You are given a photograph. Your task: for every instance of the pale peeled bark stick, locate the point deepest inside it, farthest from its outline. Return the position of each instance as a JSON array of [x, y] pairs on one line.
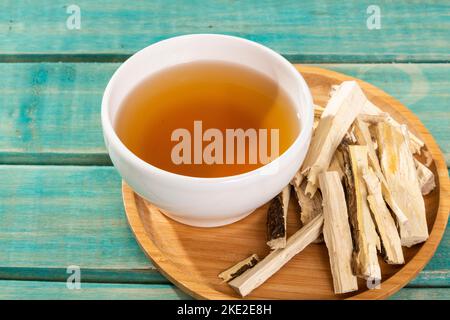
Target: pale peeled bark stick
[[390, 239], [374, 118], [309, 207], [366, 240], [416, 143], [336, 164], [277, 219], [425, 176], [253, 278], [397, 163], [363, 137], [369, 118], [336, 119], [370, 109], [336, 231], [239, 268]]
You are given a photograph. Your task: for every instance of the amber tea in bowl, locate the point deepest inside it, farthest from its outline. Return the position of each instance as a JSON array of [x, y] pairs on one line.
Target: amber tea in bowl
[[206, 95]]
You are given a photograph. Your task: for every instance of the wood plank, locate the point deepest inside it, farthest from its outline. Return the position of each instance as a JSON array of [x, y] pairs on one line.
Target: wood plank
[[306, 31], [427, 278], [432, 278], [422, 294], [437, 271], [35, 290], [99, 291], [51, 111], [56, 216]]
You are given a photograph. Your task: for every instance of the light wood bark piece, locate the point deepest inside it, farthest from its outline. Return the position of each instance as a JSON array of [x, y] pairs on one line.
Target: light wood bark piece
[[309, 207], [370, 109], [373, 118], [336, 119], [239, 268], [253, 278], [425, 176], [363, 137], [399, 169], [391, 246], [336, 164], [276, 219], [366, 240], [336, 231]]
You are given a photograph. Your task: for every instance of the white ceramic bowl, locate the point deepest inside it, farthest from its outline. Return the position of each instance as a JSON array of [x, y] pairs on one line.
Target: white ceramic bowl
[[206, 202]]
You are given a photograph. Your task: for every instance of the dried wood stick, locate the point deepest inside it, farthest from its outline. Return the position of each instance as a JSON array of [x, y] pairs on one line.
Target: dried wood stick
[[336, 119], [366, 240], [399, 169], [374, 118], [416, 143], [390, 240], [253, 278], [309, 207], [364, 138], [276, 219], [336, 231], [239, 268], [371, 109], [425, 176], [336, 164]]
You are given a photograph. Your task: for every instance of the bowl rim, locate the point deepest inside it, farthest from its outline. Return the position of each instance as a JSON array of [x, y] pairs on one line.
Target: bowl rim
[[112, 138]]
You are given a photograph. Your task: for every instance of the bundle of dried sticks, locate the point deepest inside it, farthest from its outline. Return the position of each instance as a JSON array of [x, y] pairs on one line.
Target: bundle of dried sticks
[[360, 186]]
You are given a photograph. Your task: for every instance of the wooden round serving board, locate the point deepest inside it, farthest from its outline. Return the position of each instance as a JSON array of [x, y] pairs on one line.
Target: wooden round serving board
[[193, 257]]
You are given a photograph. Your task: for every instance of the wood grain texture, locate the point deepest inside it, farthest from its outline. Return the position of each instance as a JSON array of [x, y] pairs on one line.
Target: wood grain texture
[[51, 111], [422, 294], [193, 265], [38, 290], [55, 216], [303, 31]]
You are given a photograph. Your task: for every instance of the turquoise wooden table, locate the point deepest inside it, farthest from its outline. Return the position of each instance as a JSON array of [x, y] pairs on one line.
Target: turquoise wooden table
[[60, 197]]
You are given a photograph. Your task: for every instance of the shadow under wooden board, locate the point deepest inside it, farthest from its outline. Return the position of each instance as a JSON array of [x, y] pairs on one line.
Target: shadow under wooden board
[[193, 257]]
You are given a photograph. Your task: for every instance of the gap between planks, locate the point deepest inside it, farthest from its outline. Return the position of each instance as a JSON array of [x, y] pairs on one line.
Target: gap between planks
[[152, 276], [58, 290], [293, 58], [87, 275], [54, 158]]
